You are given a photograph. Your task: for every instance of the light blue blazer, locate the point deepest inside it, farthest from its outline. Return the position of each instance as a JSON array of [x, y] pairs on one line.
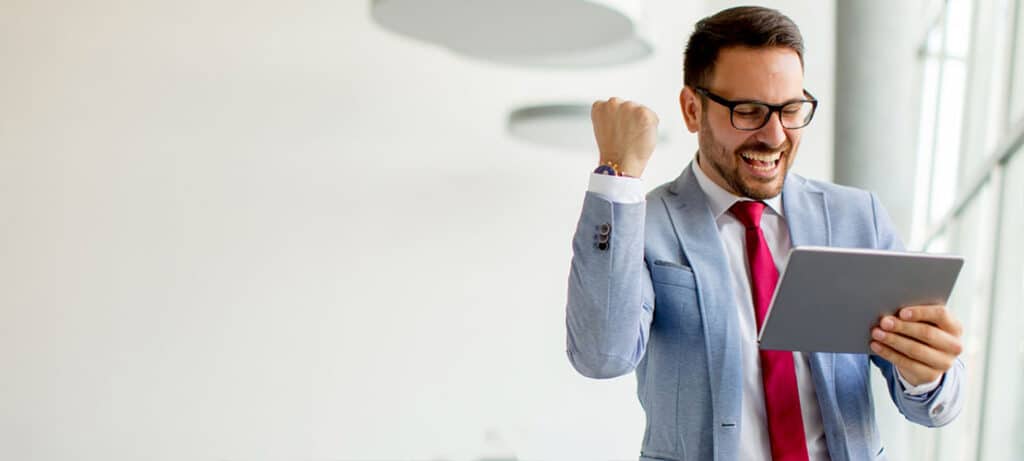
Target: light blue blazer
[[650, 291]]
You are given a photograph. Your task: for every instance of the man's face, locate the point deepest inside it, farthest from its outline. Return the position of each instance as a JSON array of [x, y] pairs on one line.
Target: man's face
[[747, 163]]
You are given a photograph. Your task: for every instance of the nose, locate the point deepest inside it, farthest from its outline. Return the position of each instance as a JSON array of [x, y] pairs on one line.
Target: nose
[[772, 133]]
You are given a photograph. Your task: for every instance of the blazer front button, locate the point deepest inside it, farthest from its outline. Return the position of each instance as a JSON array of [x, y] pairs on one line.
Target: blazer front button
[[938, 409]]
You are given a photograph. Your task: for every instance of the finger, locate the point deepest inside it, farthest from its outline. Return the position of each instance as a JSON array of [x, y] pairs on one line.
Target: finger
[[934, 313], [908, 367], [919, 352], [923, 332]]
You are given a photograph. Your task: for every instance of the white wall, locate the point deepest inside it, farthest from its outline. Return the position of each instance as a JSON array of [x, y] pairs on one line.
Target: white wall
[[270, 230]]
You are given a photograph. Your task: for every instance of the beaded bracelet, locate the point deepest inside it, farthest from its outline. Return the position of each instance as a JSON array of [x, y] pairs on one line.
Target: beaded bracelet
[[611, 169]]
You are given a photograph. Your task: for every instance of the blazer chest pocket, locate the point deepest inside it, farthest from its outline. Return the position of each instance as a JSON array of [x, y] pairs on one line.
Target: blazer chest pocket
[[670, 273]]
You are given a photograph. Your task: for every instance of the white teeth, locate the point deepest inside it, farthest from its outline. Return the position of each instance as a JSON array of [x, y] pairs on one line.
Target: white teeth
[[762, 157]]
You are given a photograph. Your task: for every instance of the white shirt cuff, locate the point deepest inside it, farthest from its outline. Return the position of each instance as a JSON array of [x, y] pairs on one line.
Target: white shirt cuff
[[920, 389], [618, 189]]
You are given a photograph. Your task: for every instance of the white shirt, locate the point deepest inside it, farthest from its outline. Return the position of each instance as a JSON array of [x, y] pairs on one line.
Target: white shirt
[[754, 441]]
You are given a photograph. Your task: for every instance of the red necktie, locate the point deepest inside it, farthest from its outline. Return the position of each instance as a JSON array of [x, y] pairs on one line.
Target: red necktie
[[781, 398]]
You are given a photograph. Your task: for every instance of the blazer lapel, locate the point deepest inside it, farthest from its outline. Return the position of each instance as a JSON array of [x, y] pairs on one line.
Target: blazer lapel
[[807, 218], [695, 228], [806, 214]]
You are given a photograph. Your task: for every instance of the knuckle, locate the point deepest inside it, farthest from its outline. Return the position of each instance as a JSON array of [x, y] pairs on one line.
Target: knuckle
[[927, 335], [903, 346], [647, 115], [917, 351]]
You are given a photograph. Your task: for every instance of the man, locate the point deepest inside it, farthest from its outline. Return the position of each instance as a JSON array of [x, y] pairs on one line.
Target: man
[[675, 286]]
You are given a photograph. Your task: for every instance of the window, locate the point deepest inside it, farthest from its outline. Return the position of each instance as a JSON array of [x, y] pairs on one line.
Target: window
[[970, 303], [1003, 420], [970, 203], [952, 81], [926, 131], [1017, 93], [944, 70], [988, 76]]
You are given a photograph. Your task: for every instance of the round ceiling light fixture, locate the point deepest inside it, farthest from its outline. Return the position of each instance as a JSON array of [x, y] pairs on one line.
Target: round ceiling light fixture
[[564, 126], [536, 33]]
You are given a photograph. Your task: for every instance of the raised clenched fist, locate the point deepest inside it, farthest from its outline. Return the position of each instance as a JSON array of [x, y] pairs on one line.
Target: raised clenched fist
[[626, 133]]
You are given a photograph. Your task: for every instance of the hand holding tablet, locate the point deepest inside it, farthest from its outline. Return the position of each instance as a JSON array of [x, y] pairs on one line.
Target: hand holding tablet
[[922, 341], [831, 299]]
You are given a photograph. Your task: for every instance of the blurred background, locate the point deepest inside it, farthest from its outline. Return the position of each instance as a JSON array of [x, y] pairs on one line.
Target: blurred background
[[340, 230]]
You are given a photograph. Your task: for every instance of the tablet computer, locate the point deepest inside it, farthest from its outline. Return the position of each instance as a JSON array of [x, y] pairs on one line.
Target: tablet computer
[[828, 299]]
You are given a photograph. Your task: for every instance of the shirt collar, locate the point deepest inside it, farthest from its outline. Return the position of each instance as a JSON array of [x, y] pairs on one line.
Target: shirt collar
[[721, 200]]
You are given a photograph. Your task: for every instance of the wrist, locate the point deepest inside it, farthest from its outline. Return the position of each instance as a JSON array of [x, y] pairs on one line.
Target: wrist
[[610, 168], [631, 169]]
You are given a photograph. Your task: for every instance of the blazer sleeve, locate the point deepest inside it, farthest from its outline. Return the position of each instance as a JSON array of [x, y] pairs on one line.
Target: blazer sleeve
[[610, 300], [940, 406]]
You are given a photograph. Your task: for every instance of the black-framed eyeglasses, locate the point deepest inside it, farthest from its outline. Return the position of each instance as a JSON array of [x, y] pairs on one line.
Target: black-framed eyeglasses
[[750, 115]]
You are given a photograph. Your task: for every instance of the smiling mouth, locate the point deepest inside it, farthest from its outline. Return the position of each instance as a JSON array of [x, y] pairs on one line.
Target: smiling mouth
[[765, 163]]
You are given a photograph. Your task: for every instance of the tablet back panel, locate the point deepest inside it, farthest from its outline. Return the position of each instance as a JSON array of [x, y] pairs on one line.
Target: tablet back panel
[[828, 299]]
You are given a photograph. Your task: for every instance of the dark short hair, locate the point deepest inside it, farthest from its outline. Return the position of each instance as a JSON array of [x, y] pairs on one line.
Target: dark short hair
[[749, 26]]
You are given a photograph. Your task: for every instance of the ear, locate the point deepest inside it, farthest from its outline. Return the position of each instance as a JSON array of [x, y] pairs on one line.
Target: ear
[[690, 104]]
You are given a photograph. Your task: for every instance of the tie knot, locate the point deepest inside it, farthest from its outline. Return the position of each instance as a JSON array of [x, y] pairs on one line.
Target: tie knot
[[749, 213]]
